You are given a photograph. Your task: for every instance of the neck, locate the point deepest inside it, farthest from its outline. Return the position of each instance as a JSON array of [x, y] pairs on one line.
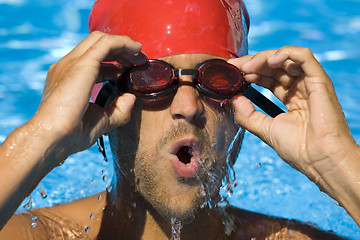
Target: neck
[[129, 216]]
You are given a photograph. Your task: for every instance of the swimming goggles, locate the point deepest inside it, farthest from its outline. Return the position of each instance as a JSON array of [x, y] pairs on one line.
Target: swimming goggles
[[157, 79]]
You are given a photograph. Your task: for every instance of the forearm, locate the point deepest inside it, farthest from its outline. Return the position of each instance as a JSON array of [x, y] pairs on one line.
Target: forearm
[[343, 183], [25, 158]]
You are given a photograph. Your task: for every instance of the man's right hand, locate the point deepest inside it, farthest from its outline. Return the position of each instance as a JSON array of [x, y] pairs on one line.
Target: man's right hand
[[65, 122], [65, 109]]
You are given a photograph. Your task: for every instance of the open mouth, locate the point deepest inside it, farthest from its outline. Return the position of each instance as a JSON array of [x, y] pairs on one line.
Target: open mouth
[[184, 154], [185, 157]]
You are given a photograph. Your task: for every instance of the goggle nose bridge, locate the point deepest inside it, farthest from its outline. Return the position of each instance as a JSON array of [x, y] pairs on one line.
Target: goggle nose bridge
[[195, 73]]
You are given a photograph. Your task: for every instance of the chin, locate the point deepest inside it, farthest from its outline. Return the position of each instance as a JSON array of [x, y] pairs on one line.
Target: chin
[[182, 205], [185, 215]]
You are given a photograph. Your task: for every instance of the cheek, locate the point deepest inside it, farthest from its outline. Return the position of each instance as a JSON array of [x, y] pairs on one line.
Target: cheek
[[222, 126], [152, 127]]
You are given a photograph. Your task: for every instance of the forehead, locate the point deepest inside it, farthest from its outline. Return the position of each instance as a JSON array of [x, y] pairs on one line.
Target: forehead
[[188, 60]]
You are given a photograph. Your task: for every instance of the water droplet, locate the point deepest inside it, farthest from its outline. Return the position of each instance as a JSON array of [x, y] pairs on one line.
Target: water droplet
[[34, 219], [108, 188], [258, 165], [87, 229], [92, 216], [226, 105], [61, 163], [99, 197], [43, 193], [29, 203], [104, 178], [176, 227]]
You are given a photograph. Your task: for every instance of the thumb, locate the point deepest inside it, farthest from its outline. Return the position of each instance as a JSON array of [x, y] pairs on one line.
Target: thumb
[[119, 112], [254, 121]]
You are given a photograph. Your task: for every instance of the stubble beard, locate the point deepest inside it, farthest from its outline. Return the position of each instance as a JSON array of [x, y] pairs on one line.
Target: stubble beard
[[173, 196]]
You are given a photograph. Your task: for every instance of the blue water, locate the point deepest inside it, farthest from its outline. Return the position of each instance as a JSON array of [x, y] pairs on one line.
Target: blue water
[[36, 33]]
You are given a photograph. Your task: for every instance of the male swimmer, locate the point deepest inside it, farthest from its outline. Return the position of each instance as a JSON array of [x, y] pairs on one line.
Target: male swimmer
[[176, 73]]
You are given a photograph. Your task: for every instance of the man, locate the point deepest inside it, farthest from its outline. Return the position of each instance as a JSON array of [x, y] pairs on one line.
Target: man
[[171, 143]]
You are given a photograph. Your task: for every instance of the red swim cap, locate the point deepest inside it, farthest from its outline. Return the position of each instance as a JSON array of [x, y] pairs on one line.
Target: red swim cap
[[171, 27]]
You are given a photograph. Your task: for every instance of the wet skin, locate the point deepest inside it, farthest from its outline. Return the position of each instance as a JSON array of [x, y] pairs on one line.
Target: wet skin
[[174, 188], [141, 202]]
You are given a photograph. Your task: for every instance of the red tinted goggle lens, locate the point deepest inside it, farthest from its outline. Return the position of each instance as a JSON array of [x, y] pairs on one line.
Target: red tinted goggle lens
[[213, 78]]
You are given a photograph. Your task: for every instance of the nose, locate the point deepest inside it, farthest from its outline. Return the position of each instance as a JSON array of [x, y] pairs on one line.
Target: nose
[[186, 103]]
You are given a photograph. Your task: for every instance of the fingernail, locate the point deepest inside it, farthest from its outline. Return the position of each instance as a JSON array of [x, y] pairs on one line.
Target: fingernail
[[235, 99]]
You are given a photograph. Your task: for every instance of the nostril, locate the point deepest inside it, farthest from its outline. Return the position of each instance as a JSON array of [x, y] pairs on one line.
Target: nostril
[[179, 116], [184, 154]]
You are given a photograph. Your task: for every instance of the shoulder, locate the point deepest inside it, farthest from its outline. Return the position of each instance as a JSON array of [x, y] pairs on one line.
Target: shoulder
[[80, 219], [249, 225]]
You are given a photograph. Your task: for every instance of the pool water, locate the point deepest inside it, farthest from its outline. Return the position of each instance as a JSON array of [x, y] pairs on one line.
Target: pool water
[[37, 33]]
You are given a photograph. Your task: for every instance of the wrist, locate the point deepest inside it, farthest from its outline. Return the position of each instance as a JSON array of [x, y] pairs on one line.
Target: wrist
[[40, 142], [342, 181]]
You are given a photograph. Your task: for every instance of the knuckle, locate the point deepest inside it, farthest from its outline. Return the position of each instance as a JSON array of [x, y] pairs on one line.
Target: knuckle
[[96, 33], [104, 38], [265, 53], [306, 51], [52, 67], [125, 38], [285, 48]]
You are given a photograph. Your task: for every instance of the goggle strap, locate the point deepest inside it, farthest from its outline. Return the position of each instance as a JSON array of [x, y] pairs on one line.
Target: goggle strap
[[263, 102], [107, 93]]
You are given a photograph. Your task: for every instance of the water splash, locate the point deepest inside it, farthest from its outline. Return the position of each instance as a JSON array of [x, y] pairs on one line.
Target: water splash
[[176, 227], [108, 188], [87, 229], [33, 221], [101, 147]]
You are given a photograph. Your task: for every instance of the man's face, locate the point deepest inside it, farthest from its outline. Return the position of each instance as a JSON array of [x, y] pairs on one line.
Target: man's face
[[176, 154]]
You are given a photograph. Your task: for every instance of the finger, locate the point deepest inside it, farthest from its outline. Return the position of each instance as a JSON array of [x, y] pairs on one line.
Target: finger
[[128, 59], [238, 62], [254, 121], [100, 120], [85, 44], [283, 61], [88, 65], [257, 70], [113, 48], [301, 56], [258, 64], [130, 51], [120, 111], [110, 71]]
